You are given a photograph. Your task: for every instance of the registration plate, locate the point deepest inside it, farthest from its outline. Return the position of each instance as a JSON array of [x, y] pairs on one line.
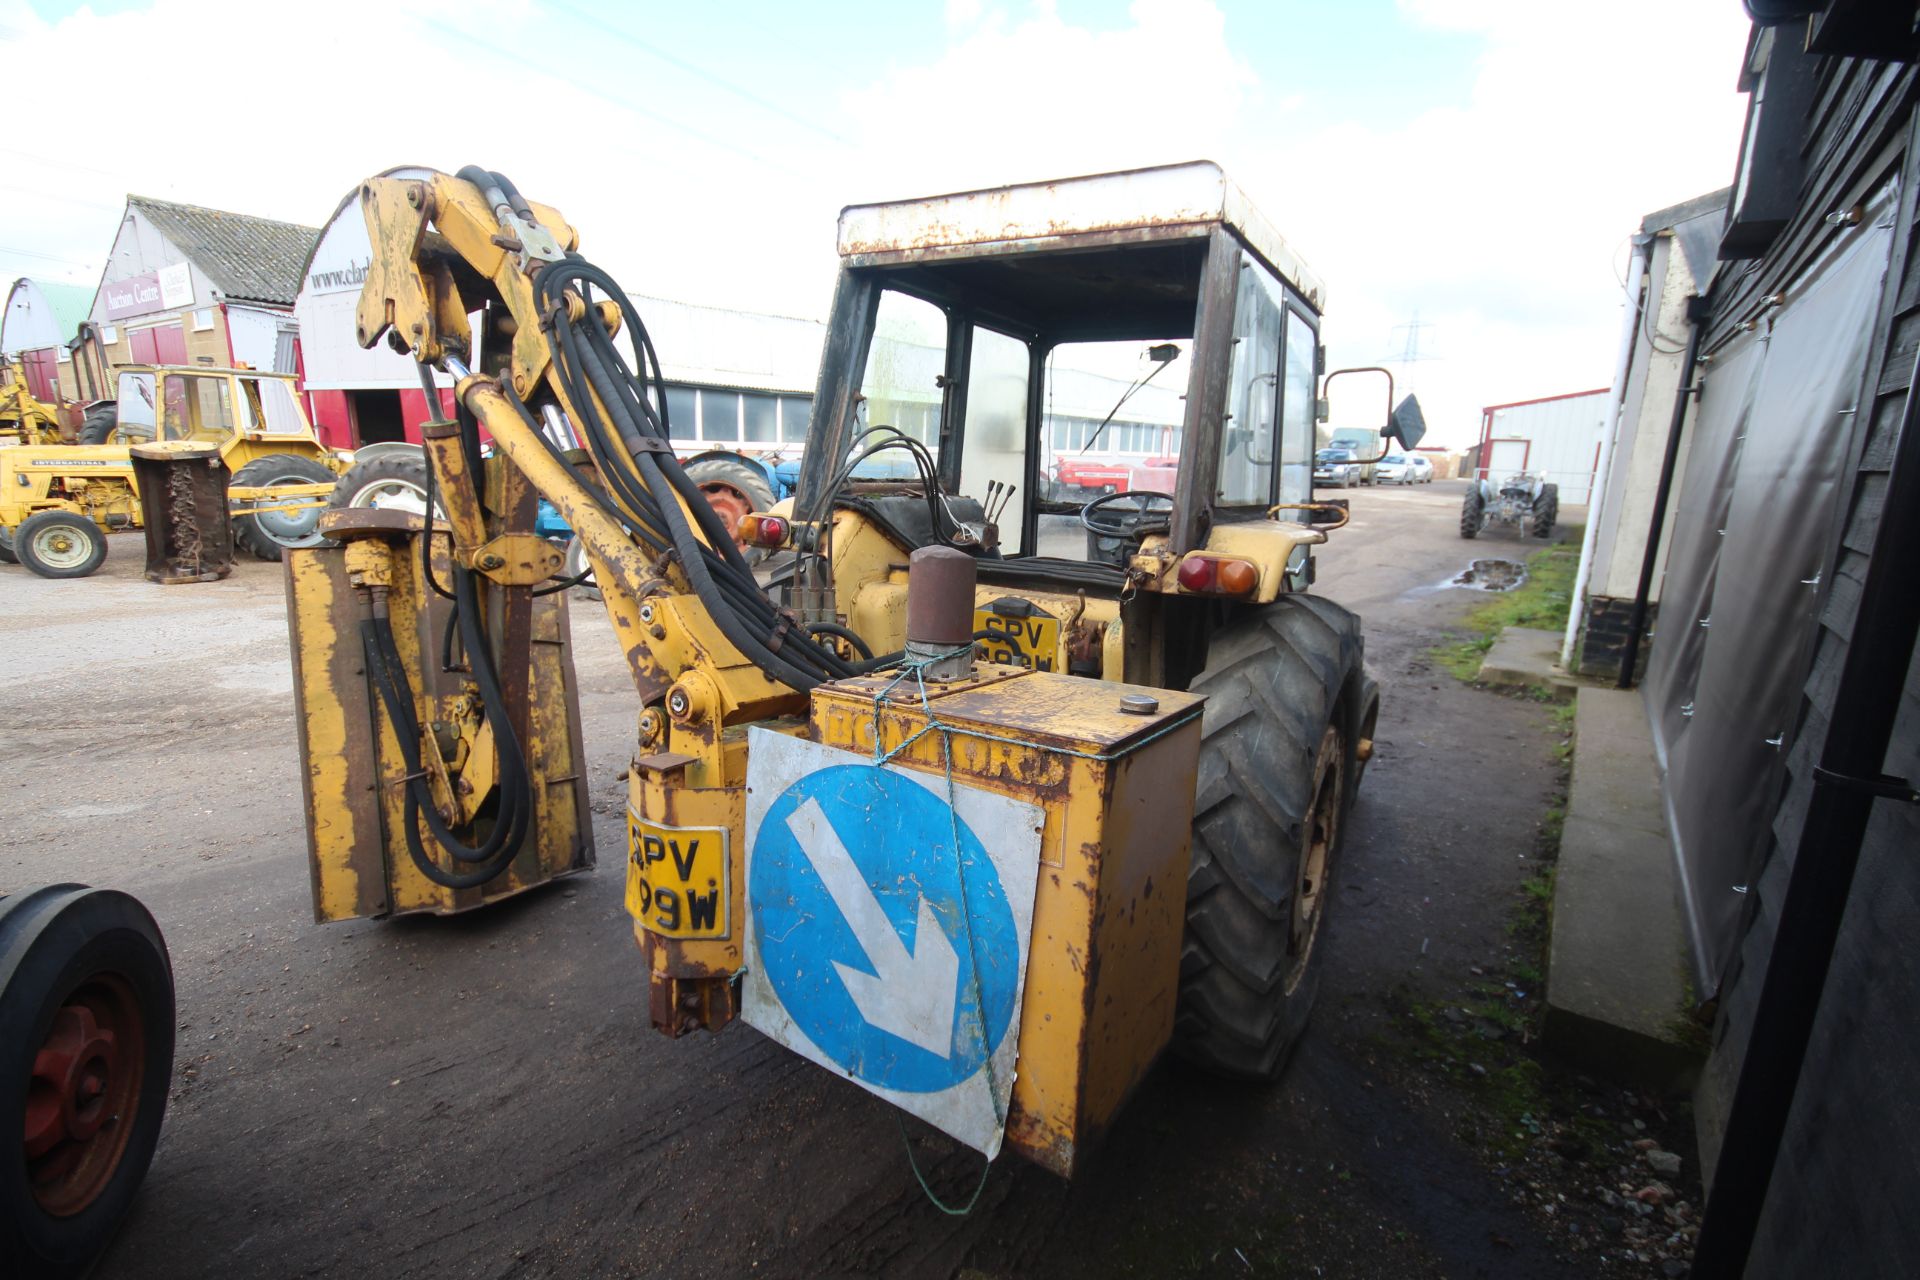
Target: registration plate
[[677, 879], [1032, 640]]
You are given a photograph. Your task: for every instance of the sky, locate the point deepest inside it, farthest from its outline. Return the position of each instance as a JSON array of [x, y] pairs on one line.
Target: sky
[[1469, 167]]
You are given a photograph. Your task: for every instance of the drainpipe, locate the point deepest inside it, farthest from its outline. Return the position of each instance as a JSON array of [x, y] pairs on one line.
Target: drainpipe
[[1622, 364], [1846, 785], [1637, 620]]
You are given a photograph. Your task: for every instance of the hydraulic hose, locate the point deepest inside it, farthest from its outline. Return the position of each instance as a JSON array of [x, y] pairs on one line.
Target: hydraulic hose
[[621, 419], [513, 814]]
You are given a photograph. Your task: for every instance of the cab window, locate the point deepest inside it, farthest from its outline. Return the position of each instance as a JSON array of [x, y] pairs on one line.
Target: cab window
[[1298, 383], [902, 384], [1248, 442], [268, 404], [1111, 423], [135, 407], [198, 407], [993, 446]]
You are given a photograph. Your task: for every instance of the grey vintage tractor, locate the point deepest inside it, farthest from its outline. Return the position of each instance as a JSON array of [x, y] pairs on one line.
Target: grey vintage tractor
[[1525, 501]]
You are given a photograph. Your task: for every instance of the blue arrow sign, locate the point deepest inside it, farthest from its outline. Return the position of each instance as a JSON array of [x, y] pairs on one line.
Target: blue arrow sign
[[863, 930]]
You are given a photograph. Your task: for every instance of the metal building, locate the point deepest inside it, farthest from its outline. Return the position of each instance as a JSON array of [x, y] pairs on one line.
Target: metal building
[[191, 285], [40, 319], [1558, 436], [736, 379]]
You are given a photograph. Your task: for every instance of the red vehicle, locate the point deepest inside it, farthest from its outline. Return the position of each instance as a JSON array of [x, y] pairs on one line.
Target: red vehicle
[[1074, 481]]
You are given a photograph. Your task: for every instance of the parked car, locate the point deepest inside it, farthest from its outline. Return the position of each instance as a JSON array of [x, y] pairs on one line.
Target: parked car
[[1366, 445], [1403, 468], [1337, 467]]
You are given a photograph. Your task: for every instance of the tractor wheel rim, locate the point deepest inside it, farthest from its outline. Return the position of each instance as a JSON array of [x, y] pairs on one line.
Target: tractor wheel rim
[[82, 1095], [731, 504], [290, 528], [60, 548], [393, 495], [1320, 832]]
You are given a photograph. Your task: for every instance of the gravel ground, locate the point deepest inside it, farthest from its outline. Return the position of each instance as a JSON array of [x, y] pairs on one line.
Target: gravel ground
[[482, 1097]]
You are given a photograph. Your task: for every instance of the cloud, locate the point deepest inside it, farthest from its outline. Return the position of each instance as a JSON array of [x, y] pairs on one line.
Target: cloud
[[1499, 221], [1033, 96], [1497, 217]]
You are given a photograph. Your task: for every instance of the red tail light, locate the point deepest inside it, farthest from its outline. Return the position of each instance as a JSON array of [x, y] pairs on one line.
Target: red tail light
[[1218, 575], [764, 531]]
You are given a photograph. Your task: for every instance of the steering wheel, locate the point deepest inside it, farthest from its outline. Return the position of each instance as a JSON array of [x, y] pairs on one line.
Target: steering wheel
[[1147, 511]]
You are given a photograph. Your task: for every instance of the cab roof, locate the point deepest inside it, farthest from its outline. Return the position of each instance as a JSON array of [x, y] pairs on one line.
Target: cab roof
[[1168, 202], [204, 368]]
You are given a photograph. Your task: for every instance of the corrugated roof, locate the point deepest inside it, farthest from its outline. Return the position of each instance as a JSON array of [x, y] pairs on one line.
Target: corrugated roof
[[248, 259], [42, 314], [70, 303]]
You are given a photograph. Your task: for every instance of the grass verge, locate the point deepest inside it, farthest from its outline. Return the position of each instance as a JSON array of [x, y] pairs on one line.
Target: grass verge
[[1542, 602]]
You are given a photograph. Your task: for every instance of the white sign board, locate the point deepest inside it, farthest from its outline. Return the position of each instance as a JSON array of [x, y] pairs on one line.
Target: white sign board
[[176, 286], [887, 932]]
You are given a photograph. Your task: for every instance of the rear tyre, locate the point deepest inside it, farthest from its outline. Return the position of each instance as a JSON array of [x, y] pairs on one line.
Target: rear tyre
[[1472, 512], [97, 427], [59, 544], [271, 532], [1273, 787], [1545, 512], [86, 1052], [387, 481]]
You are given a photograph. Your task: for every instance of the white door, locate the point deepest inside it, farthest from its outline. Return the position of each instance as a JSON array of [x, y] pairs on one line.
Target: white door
[[1505, 457]]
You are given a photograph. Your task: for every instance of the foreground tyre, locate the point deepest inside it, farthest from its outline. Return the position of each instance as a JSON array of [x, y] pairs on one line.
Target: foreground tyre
[[271, 532], [1274, 783], [1472, 513], [86, 1052], [59, 544]]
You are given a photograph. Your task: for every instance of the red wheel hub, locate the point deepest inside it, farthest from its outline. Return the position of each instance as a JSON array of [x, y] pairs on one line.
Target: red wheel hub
[[82, 1095], [729, 502]]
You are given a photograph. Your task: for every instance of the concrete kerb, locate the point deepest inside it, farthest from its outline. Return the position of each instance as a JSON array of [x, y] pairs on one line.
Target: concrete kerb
[[1523, 657], [1616, 978]]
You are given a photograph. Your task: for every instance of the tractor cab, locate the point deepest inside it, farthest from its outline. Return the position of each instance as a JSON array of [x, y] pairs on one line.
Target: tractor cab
[[1109, 386], [1108, 382], [209, 406]]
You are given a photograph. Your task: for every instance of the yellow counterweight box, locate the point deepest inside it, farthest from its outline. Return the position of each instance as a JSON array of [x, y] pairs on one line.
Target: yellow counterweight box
[[1111, 769]]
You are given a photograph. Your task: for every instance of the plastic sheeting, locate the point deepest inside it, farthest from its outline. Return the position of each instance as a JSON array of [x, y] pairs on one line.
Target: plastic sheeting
[[1737, 608]]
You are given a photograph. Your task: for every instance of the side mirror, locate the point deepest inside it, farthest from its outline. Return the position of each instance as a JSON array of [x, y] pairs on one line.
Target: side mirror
[[1407, 425], [1322, 407]]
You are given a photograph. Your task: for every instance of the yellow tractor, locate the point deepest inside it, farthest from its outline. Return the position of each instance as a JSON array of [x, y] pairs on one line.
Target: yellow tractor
[[59, 501], [980, 797], [24, 418], [974, 794]]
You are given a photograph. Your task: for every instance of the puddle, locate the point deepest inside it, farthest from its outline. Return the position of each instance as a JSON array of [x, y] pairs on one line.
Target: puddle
[[1491, 575]]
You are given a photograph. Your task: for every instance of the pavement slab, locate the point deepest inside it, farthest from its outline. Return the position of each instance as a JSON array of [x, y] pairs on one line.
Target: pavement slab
[[1616, 979]]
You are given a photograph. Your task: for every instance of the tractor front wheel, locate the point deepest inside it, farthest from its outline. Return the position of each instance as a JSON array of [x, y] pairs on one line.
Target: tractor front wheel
[[59, 544], [86, 1049], [1287, 696], [7, 554]]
